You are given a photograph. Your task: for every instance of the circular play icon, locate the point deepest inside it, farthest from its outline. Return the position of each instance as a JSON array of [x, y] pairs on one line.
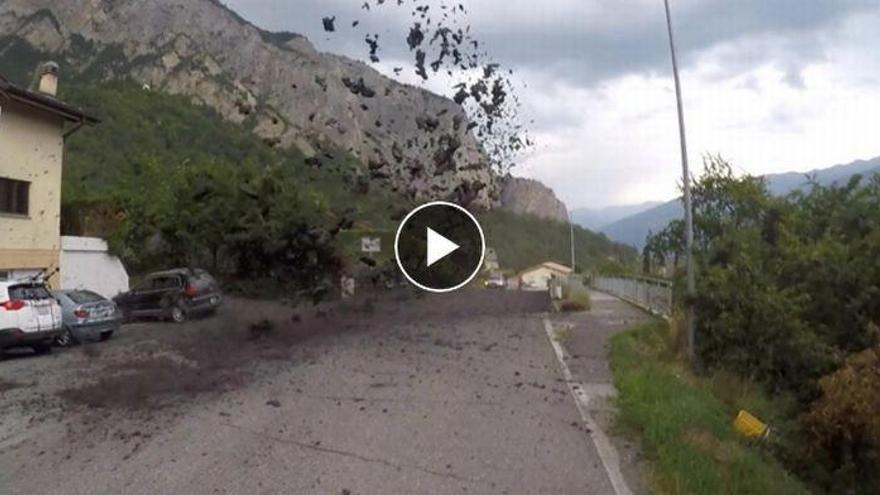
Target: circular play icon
[[440, 247]]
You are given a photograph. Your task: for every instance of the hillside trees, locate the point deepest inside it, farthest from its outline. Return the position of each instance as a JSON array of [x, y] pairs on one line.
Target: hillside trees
[[243, 221], [787, 288]]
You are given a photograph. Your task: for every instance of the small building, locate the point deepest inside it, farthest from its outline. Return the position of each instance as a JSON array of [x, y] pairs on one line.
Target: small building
[[33, 127], [538, 276]]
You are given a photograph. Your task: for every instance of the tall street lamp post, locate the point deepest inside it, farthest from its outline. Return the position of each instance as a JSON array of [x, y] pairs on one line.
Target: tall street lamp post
[[571, 227], [688, 206]]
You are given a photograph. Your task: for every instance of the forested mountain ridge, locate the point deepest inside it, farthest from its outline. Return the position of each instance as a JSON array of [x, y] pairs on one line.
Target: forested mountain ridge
[[634, 229]]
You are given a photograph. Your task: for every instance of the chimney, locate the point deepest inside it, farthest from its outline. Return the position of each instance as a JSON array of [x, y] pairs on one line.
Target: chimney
[[47, 78]]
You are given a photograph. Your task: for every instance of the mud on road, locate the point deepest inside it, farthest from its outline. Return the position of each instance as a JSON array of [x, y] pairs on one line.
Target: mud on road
[[391, 393]]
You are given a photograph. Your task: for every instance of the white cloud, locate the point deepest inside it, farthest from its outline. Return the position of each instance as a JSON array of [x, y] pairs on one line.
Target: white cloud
[[617, 143]]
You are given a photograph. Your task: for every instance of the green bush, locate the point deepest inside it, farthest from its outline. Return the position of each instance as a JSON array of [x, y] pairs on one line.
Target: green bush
[[575, 296], [787, 289], [845, 422]]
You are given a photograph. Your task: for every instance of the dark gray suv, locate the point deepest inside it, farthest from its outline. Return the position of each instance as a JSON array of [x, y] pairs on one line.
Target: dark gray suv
[[173, 294]]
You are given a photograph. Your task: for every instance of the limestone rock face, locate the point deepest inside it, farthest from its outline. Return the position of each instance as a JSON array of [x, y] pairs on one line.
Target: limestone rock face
[[275, 84], [527, 196]]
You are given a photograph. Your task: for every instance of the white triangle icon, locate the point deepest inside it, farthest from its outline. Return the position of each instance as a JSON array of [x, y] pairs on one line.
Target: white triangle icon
[[439, 247]]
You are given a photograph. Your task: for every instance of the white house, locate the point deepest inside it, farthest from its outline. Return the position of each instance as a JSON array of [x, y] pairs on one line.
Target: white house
[[538, 276]]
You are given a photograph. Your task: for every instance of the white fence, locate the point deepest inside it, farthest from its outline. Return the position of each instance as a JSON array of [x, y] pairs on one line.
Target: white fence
[[652, 294]]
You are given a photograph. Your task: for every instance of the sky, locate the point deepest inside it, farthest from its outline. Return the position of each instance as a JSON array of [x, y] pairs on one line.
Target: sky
[[770, 85]]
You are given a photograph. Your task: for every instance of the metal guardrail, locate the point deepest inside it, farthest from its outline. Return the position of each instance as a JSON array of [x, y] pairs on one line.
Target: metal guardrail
[[649, 293]]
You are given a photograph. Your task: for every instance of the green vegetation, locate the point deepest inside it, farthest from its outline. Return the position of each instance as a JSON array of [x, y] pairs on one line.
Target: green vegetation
[[845, 421], [170, 183], [522, 241], [575, 296], [685, 422], [788, 292]]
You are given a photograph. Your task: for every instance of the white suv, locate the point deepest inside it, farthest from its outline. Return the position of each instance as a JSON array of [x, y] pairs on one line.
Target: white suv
[[29, 316]]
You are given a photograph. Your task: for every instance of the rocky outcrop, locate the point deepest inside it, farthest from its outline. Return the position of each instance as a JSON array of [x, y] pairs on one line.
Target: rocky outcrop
[[528, 196], [276, 84]]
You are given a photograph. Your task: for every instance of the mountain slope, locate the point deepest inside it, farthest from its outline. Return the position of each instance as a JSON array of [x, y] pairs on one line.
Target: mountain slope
[[528, 196], [273, 84], [596, 218], [170, 133], [634, 229], [522, 241]]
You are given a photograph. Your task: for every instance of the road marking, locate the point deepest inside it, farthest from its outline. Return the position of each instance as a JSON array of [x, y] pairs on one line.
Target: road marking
[[607, 453]]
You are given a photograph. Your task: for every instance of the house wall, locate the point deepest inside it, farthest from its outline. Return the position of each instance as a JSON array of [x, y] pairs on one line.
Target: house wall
[[31, 149], [537, 277]]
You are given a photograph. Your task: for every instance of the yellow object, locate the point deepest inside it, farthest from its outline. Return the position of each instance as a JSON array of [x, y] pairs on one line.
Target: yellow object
[[750, 426]]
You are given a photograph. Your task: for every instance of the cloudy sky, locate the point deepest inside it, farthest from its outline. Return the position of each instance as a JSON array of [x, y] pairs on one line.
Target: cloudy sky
[[771, 85]]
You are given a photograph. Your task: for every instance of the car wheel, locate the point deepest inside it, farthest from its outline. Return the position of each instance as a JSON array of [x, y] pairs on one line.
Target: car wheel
[[105, 336], [177, 314], [42, 348], [66, 339]]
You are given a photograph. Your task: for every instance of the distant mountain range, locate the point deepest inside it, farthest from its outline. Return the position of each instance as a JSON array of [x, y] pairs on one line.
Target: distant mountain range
[[596, 218], [633, 229]]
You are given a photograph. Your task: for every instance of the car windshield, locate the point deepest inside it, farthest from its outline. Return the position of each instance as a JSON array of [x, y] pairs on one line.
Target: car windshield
[[84, 297]]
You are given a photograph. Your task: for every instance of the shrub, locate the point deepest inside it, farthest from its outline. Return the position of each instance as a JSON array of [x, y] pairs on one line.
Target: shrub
[[845, 422], [575, 296]]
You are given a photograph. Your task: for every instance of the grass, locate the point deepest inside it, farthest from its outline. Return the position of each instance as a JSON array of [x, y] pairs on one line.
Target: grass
[[685, 421]]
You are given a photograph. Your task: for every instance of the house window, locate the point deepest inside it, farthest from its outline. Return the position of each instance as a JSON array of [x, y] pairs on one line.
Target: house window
[[14, 196]]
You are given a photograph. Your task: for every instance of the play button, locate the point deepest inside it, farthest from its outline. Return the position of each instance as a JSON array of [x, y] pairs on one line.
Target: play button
[[439, 247]]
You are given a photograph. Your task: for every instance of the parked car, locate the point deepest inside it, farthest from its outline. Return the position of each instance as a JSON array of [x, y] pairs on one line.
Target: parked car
[[29, 316], [86, 316], [174, 294], [495, 281]]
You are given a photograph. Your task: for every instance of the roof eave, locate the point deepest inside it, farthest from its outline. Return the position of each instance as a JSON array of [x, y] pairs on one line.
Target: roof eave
[[49, 104]]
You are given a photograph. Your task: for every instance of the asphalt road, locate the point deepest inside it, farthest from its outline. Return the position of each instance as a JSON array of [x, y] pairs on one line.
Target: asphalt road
[[401, 393]]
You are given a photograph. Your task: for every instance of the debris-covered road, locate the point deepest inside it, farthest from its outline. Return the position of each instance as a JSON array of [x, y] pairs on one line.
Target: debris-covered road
[[398, 393]]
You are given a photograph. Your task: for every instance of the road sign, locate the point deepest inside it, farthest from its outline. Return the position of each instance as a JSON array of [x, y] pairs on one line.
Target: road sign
[[371, 245]]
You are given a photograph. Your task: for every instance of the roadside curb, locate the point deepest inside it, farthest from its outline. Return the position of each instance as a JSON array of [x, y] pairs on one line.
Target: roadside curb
[[582, 397]]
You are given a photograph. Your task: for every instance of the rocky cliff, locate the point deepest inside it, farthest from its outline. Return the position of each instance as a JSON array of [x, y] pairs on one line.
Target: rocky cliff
[[529, 196], [275, 84]]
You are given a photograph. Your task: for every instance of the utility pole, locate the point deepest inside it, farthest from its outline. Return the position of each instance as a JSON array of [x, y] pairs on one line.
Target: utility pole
[[571, 227], [688, 206]]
